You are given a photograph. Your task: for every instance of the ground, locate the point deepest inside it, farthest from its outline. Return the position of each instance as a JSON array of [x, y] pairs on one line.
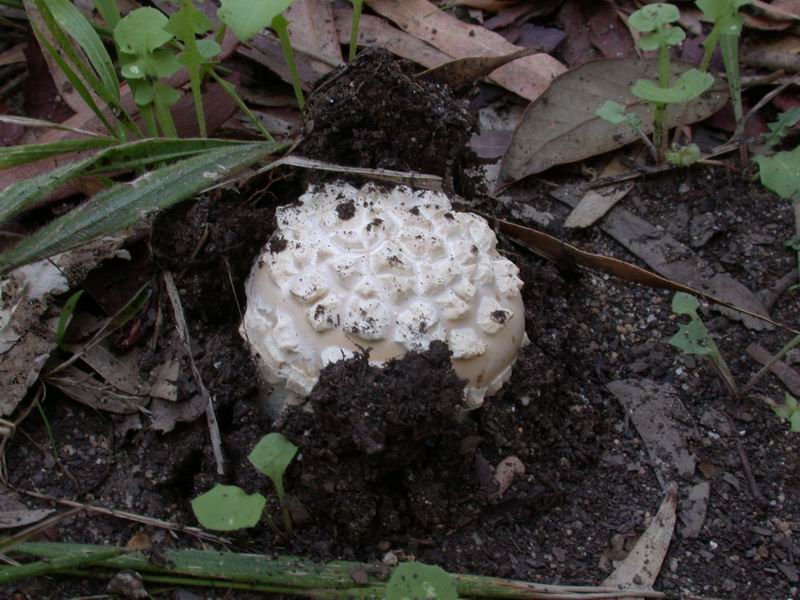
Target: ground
[[588, 490]]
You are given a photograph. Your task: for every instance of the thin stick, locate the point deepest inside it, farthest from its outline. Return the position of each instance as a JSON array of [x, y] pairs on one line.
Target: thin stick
[[793, 343], [183, 333]]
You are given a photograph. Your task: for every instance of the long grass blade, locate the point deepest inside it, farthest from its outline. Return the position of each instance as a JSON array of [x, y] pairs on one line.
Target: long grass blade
[[76, 25], [28, 193], [109, 10], [126, 203], [28, 122], [11, 156]]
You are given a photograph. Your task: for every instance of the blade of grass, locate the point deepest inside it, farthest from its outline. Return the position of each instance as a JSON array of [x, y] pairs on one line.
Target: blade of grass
[[28, 122], [54, 565], [281, 26], [126, 203], [76, 25], [28, 193], [231, 91], [73, 78], [109, 10], [357, 6], [12, 156]]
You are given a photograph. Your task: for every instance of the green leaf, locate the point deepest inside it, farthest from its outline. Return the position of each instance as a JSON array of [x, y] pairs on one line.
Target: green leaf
[[654, 16], [793, 244], [684, 156], [417, 581], [142, 31], [65, 317], [228, 508], [780, 129], [685, 304], [126, 203], [272, 455], [75, 24], [109, 10], [714, 10], [27, 193], [689, 86], [611, 111], [693, 338], [781, 173], [788, 411], [247, 17], [11, 156], [354, 27], [668, 36]]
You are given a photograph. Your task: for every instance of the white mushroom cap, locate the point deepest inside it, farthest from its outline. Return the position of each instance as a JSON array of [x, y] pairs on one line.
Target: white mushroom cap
[[350, 269]]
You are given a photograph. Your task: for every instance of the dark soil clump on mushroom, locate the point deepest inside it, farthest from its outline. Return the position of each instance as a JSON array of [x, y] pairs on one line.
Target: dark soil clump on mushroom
[[374, 113]]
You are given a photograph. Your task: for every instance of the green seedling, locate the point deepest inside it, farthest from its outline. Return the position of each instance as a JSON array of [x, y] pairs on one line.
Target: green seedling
[[656, 24], [684, 156], [65, 317], [196, 55], [416, 580], [727, 30], [783, 126], [789, 411], [228, 508], [141, 36], [247, 17], [615, 113], [354, 27]]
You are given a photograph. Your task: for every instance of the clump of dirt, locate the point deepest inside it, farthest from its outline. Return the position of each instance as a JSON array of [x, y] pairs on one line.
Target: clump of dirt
[[383, 448], [374, 113]]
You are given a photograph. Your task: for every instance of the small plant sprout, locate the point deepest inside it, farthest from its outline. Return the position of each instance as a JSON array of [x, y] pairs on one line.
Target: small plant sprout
[[727, 30], [354, 27], [684, 156], [416, 580], [248, 17], [228, 507], [694, 338], [655, 22], [783, 126], [789, 411], [140, 37], [614, 113]]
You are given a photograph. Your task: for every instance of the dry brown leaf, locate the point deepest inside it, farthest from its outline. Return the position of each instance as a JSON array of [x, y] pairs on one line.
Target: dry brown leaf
[[312, 32], [694, 509], [463, 71], [374, 31], [490, 5], [562, 127], [788, 376], [12, 56], [529, 77], [641, 567], [559, 251]]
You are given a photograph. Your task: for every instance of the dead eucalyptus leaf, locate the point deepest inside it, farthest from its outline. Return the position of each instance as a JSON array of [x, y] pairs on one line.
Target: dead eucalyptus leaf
[[561, 126], [463, 71]]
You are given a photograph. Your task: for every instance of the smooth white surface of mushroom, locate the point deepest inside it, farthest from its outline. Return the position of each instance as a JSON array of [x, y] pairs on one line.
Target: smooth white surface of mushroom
[[388, 270]]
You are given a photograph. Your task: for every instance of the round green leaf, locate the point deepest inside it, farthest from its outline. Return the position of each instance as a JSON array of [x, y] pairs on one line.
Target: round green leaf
[[669, 36], [247, 17], [611, 111], [142, 31], [689, 86], [653, 16], [416, 581], [684, 304], [208, 48], [272, 455], [781, 173], [714, 10], [228, 508]]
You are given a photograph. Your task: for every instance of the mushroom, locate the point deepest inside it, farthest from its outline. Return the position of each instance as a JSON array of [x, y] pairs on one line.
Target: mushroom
[[390, 270]]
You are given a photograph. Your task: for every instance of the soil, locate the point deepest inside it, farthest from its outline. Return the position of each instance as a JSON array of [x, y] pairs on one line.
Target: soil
[[386, 465]]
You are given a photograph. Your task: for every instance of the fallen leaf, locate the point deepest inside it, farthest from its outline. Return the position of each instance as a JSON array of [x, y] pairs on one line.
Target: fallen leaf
[[596, 203], [680, 264], [312, 31], [606, 32], [663, 423], [374, 31], [788, 376], [506, 472], [694, 508], [491, 5], [641, 567], [529, 77], [463, 71], [562, 127], [95, 393]]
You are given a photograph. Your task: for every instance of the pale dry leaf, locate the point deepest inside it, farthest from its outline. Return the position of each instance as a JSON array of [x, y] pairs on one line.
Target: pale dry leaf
[[312, 31], [641, 567], [562, 126], [528, 77], [694, 509], [374, 31], [490, 5]]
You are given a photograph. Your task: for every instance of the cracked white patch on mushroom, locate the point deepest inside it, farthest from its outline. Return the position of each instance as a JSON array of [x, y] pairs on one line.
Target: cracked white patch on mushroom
[[392, 271]]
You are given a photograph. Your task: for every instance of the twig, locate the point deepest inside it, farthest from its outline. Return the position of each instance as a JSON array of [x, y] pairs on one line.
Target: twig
[[793, 343], [128, 516], [183, 333]]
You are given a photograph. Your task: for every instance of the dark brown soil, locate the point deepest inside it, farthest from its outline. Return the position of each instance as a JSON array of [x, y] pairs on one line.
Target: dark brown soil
[[384, 463], [374, 113]]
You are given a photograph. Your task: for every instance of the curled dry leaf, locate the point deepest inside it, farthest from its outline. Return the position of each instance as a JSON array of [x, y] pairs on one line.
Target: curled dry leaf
[[463, 71], [562, 127]]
